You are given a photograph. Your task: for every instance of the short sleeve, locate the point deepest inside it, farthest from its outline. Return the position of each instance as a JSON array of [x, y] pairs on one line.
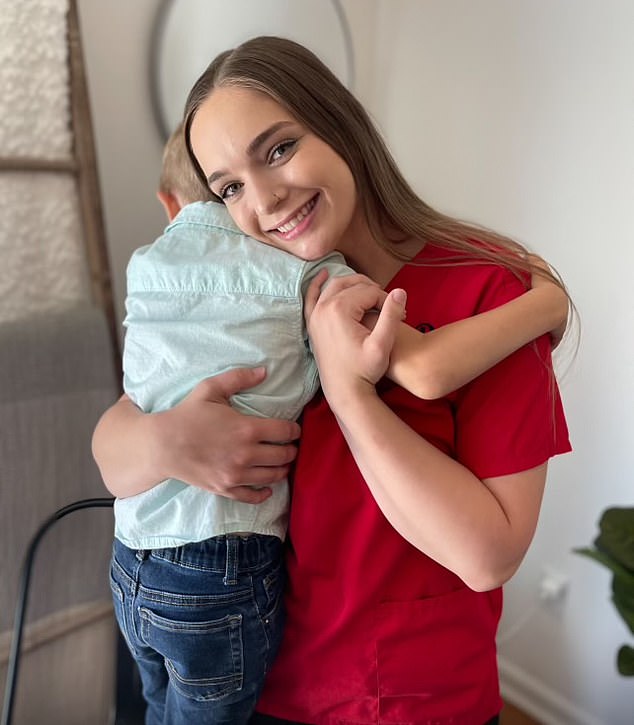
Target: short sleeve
[[334, 263], [511, 418]]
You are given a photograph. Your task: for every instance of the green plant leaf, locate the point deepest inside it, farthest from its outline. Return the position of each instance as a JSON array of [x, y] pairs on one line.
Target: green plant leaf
[[604, 559], [614, 549], [617, 535], [623, 589], [623, 599], [625, 661]]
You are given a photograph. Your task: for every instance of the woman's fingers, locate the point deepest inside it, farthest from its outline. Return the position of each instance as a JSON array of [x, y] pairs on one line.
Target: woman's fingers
[[354, 293], [391, 315], [336, 285], [248, 494], [318, 290], [220, 388], [313, 292]]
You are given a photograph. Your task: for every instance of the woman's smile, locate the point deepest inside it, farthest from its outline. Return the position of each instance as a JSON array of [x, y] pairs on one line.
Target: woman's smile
[[298, 222]]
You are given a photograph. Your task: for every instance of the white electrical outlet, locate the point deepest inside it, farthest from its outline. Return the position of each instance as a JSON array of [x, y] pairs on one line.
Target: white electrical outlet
[[553, 586]]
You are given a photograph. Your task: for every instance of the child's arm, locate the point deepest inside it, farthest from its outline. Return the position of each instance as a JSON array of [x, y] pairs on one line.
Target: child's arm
[[438, 362]]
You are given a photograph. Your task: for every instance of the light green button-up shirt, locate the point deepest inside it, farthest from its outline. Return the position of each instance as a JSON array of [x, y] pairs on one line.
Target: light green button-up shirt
[[204, 298]]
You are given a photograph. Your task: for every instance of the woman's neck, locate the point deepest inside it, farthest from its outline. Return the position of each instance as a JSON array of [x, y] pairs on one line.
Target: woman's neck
[[369, 257], [366, 256]]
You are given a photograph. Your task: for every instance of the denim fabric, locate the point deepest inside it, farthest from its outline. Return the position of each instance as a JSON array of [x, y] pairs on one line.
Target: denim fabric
[[204, 298], [203, 622]]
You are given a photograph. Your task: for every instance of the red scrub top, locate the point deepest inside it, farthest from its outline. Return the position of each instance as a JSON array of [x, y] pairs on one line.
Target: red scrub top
[[376, 631]]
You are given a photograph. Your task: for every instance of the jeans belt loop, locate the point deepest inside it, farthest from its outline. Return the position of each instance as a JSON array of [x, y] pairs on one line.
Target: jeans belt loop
[[232, 561]]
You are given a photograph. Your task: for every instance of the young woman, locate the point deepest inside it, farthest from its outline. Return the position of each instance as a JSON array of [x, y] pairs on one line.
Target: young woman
[[407, 515]]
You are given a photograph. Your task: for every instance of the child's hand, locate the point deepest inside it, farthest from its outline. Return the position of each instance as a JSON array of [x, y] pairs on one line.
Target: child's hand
[[560, 300]]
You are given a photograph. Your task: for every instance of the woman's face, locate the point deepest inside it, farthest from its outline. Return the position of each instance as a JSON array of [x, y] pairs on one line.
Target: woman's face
[[281, 183]]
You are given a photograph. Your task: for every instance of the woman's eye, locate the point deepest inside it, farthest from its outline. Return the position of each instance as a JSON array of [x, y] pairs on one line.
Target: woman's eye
[[281, 150], [229, 190]]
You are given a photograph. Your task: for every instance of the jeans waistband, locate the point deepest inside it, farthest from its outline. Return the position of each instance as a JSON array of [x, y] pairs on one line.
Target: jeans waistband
[[227, 555]]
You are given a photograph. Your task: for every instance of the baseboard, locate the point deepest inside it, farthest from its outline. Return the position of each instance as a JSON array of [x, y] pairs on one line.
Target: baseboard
[[55, 625], [538, 700], [67, 669]]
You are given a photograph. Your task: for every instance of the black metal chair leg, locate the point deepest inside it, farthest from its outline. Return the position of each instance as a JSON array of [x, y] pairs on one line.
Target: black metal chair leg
[[23, 597]]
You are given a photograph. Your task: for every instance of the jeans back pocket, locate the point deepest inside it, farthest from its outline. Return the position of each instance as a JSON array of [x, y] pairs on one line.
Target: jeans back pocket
[[204, 659]]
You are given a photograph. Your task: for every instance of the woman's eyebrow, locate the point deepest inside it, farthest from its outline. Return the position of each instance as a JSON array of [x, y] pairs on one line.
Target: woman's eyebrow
[[265, 135], [215, 176]]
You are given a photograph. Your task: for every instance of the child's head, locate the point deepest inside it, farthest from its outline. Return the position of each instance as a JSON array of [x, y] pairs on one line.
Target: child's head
[[178, 184]]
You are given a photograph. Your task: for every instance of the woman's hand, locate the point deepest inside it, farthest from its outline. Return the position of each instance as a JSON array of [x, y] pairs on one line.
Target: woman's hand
[[350, 356], [202, 441]]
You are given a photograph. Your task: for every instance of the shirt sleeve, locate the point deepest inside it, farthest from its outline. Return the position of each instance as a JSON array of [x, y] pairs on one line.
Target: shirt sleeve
[[511, 418], [334, 263]]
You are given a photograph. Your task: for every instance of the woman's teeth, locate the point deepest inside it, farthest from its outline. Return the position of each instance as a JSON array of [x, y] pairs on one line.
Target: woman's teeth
[[303, 212]]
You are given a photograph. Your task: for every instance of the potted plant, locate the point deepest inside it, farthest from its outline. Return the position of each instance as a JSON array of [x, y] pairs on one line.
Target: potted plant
[[614, 548]]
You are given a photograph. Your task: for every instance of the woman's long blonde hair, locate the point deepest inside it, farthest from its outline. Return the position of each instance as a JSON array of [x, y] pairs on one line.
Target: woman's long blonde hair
[[295, 78]]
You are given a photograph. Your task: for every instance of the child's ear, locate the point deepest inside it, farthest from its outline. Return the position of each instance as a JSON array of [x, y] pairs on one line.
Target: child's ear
[[170, 203]]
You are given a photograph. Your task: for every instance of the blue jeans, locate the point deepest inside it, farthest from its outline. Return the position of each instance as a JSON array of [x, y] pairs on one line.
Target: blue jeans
[[203, 622]]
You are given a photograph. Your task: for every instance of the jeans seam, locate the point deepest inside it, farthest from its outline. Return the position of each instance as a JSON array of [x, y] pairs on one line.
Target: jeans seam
[[127, 614], [229, 689], [193, 600]]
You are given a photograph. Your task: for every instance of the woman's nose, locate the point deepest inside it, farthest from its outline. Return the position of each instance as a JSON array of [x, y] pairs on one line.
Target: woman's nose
[[267, 199]]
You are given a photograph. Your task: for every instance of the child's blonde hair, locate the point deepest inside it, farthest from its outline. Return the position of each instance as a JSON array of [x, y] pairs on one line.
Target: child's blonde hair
[[178, 176]]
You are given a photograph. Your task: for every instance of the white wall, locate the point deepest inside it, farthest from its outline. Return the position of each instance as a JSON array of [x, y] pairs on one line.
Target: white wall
[[518, 115], [116, 39]]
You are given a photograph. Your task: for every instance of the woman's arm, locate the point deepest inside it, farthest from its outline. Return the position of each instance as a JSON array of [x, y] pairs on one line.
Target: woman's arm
[[435, 364], [479, 529], [202, 441]]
